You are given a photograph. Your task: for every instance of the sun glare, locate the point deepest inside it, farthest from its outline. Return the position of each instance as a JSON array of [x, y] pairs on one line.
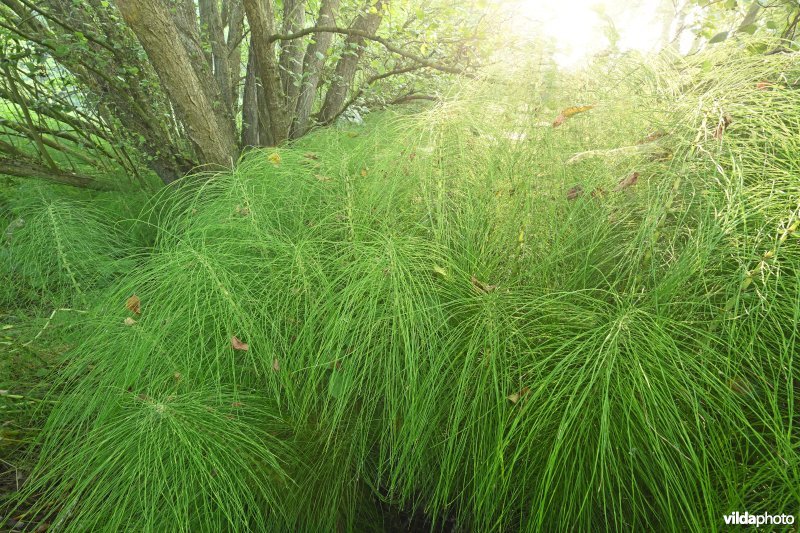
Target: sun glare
[[581, 28]]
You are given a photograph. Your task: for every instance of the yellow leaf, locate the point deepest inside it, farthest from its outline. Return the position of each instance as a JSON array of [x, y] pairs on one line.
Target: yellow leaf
[[275, 158], [574, 110]]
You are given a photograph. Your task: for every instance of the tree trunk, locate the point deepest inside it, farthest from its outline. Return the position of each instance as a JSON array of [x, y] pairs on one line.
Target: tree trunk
[[235, 21], [260, 16], [250, 104], [347, 66], [312, 68], [206, 124], [291, 60], [215, 35]]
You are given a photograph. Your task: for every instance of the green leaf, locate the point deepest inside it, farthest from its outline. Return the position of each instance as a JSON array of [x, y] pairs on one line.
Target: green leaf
[[750, 28], [718, 38]]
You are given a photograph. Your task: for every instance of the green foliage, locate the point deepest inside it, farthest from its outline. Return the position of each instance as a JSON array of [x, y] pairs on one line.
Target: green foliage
[[430, 321]]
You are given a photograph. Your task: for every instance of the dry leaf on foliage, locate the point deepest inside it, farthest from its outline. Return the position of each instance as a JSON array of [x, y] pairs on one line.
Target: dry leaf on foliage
[[724, 122], [570, 112], [575, 192], [628, 181], [656, 135], [517, 396], [276, 365], [274, 158], [239, 345], [129, 321], [134, 304], [481, 286]]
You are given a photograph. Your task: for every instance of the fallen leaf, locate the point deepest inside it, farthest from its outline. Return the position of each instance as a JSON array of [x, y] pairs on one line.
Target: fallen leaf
[[656, 135], [724, 122], [275, 365], [239, 345], [274, 158], [517, 396], [412, 156], [242, 211], [363, 172], [236, 404], [627, 181], [763, 85], [323, 178], [311, 155], [134, 304], [177, 376], [575, 192], [129, 321], [480, 286], [598, 192], [574, 110], [570, 112]]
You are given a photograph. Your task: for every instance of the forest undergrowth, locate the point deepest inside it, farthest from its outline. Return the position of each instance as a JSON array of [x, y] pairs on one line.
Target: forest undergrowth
[[537, 306]]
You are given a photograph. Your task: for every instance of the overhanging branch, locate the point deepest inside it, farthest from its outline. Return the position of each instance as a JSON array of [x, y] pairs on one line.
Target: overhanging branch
[[380, 40]]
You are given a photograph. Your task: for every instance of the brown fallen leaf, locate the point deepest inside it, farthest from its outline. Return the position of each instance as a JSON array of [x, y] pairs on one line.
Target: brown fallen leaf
[[598, 192], [236, 404], [276, 365], [575, 192], [559, 120], [134, 304], [239, 345], [656, 135], [764, 85], [517, 396], [724, 122], [628, 181], [480, 286], [129, 321]]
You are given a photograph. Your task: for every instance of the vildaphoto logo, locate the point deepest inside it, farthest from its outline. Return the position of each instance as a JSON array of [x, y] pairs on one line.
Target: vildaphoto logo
[[747, 519]]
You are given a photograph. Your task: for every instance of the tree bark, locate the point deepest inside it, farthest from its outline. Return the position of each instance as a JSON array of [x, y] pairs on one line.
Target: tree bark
[[215, 34], [24, 168], [206, 123], [235, 21], [347, 66], [313, 62], [260, 16], [250, 104], [291, 59]]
